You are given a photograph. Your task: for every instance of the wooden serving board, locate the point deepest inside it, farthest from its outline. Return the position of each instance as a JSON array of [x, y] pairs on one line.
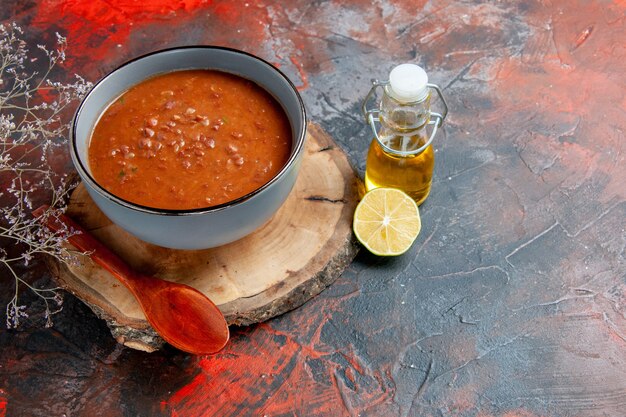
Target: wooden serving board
[[292, 258]]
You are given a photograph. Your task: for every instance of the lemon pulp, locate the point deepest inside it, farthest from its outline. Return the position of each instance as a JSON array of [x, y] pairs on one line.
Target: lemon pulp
[[387, 221]]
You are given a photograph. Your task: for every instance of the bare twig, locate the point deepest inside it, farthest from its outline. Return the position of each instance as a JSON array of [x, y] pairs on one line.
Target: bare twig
[[32, 126]]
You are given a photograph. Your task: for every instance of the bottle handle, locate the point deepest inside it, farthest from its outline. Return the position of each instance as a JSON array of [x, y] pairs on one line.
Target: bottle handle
[[443, 116], [367, 112], [435, 122], [373, 115]]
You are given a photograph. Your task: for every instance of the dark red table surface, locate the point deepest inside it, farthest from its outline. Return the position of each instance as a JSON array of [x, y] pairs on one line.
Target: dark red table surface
[[512, 300]]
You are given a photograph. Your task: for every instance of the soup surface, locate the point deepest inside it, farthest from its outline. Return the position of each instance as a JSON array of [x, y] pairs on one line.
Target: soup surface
[[189, 139]]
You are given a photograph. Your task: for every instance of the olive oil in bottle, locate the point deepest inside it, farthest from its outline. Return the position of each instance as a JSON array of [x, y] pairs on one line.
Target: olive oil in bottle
[[401, 154], [411, 173]]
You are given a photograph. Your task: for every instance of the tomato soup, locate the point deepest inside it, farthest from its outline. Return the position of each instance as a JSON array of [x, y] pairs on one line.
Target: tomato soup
[[189, 139]]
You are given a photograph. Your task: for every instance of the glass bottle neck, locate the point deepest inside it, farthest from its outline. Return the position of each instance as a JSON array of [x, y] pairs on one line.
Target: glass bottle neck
[[404, 118]]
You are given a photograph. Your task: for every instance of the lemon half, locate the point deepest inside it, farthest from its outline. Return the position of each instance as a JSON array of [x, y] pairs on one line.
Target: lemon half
[[387, 221]]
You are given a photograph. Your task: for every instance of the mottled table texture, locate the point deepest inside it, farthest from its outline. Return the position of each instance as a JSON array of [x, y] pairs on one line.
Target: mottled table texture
[[512, 300]]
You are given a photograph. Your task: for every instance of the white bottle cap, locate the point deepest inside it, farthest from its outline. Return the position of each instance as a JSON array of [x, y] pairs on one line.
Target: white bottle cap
[[408, 83]]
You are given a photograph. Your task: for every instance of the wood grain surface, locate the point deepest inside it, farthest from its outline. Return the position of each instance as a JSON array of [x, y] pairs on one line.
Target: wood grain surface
[[290, 259]]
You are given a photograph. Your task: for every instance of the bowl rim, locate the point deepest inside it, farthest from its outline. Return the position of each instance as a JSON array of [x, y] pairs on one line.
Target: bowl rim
[[84, 173]]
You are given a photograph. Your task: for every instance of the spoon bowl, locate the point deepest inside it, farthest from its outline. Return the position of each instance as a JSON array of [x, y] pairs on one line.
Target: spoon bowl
[[180, 314]]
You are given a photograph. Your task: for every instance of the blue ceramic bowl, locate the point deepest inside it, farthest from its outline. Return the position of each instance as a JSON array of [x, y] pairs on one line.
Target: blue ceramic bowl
[[204, 227]]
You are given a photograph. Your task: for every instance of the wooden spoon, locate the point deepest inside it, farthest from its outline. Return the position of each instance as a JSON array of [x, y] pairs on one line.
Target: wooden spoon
[[180, 314]]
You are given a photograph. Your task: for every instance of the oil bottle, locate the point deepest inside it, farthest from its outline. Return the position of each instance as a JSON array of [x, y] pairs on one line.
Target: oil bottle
[[401, 154]]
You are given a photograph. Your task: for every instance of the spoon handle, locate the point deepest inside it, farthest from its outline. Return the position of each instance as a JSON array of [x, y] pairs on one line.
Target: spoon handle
[[84, 241]]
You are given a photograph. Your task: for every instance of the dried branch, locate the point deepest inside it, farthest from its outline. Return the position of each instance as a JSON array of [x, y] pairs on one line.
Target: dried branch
[[33, 127]]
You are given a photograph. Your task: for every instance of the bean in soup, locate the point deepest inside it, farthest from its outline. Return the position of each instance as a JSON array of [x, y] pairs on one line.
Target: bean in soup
[[189, 139]]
